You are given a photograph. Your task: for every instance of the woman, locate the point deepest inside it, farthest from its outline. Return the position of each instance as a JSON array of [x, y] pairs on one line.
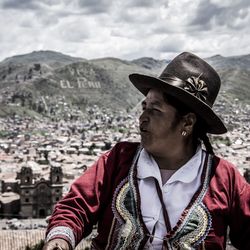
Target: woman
[[167, 192]]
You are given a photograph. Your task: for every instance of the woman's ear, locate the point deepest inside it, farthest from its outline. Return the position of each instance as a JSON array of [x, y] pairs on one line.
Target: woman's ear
[[189, 121]]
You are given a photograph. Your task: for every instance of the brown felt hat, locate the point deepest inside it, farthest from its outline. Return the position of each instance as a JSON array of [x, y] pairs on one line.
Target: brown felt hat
[[193, 82]]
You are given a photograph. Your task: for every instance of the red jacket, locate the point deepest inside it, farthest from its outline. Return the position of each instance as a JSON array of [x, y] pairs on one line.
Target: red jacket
[[107, 194]]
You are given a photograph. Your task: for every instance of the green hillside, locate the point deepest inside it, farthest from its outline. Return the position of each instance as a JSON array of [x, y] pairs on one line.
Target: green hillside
[[44, 81]]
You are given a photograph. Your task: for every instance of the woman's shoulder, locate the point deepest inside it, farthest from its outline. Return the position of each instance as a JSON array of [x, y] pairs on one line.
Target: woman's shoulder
[[224, 165], [125, 147], [121, 152], [226, 172]]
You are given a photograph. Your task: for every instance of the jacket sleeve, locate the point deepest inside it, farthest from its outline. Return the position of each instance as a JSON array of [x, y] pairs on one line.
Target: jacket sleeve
[[239, 217], [75, 215]]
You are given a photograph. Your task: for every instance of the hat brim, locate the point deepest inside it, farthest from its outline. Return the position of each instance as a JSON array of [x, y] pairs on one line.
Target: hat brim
[[144, 83]]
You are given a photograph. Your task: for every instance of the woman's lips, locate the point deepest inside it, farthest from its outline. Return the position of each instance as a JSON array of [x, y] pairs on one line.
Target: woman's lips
[[143, 130]]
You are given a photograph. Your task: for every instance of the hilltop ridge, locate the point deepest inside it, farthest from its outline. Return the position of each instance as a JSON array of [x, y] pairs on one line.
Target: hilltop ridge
[[44, 78]]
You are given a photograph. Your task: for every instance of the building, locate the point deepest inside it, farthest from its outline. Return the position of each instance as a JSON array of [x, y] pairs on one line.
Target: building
[[9, 204], [37, 196]]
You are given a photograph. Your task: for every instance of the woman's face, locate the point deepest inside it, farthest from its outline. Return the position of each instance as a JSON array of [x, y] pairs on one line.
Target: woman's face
[[160, 132]]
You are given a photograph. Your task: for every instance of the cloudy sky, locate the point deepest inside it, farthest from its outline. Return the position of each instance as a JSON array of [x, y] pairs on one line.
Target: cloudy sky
[[125, 29]]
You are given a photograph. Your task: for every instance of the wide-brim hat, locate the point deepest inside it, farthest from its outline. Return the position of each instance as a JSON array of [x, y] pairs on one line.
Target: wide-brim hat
[[193, 82]]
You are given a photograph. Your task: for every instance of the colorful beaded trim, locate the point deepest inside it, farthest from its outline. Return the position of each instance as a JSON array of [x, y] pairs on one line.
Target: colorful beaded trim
[[62, 231], [128, 231], [197, 221]]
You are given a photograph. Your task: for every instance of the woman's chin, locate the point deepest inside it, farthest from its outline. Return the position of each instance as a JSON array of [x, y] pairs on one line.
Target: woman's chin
[[145, 145], [144, 142]]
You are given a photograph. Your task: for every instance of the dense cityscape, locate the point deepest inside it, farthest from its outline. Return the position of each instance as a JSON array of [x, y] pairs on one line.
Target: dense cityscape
[[40, 157]]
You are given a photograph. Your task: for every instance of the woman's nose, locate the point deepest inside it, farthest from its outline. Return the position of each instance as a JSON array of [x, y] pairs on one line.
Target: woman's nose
[[143, 117]]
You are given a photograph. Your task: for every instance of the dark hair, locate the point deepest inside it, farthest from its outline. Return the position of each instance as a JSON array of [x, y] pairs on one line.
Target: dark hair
[[199, 130]]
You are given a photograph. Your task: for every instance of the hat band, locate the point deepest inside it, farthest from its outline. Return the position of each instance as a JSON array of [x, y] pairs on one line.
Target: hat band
[[193, 85]]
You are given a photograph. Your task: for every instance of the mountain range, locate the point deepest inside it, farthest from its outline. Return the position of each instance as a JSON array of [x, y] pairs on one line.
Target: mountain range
[[45, 78]]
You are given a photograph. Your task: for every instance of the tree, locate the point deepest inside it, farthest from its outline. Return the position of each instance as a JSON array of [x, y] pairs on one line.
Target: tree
[[38, 246]]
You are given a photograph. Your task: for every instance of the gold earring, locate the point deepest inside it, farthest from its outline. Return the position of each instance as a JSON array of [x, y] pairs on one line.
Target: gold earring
[[183, 133]]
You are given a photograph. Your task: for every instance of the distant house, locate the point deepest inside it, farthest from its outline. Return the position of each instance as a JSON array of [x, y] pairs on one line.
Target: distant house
[[36, 196], [9, 204]]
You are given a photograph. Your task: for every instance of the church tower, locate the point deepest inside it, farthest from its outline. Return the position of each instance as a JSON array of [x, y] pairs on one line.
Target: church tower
[[56, 184], [26, 191]]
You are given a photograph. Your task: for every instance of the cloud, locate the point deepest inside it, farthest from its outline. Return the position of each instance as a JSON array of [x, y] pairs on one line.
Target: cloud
[[95, 6], [20, 4], [205, 13], [227, 13], [172, 43], [76, 29], [31, 4], [136, 17], [125, 29], [143, 3]]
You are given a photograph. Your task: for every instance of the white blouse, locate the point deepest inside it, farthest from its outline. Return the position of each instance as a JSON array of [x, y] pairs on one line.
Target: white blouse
[[177, 192]]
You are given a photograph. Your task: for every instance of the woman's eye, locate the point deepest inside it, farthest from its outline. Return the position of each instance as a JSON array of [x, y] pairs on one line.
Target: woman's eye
[[156, 110]]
